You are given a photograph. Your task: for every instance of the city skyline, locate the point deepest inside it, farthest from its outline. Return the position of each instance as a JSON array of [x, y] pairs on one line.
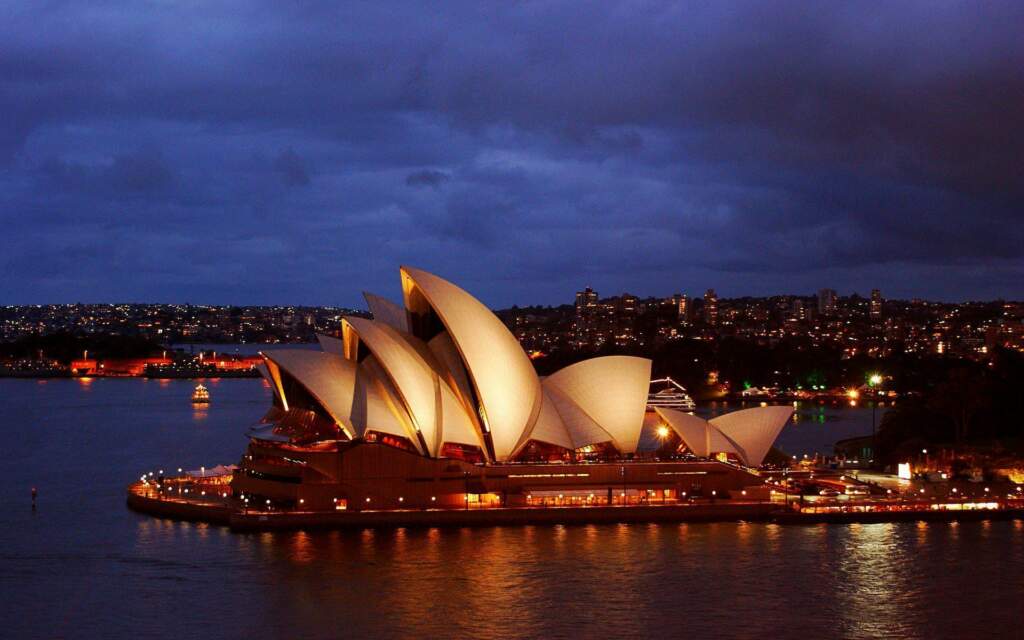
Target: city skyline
[[224, 155], [556, 301]]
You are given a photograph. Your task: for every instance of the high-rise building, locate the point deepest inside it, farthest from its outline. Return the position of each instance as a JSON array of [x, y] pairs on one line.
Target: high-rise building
[[711, 307], [627, 311], [586, 314], [826, 301], [683, 306], [798, 309], [586, 299], [876, 304]]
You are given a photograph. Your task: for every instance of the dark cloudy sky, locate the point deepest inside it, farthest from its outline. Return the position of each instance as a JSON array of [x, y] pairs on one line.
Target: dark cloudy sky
[[280, 152]]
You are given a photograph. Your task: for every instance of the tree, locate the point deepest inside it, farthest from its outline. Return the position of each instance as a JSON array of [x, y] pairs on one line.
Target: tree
[[960, 397]]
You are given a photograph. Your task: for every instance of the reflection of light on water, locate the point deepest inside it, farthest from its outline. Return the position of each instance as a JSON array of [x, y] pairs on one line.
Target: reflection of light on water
[[367, 536], [302, 550], [199, 412], [400, 539], [773, 534], [874, 569], [743, 533], [559, 535]]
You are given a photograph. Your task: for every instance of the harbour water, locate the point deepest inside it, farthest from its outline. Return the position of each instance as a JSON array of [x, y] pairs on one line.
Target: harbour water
[[82, 565]]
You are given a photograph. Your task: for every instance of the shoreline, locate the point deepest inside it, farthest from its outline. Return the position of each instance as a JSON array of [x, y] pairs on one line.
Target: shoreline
[[240, 520]]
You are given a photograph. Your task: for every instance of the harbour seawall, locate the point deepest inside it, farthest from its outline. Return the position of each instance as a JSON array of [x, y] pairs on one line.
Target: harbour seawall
[[223, 513]]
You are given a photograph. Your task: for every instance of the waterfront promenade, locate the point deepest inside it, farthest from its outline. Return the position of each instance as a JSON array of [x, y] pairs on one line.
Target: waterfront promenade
[[209, 500]]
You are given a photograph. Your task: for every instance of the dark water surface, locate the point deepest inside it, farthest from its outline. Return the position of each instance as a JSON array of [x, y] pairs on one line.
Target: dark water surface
[[84, 566]]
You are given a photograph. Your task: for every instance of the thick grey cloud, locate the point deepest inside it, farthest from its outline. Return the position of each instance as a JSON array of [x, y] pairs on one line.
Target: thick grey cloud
[[266, 152]]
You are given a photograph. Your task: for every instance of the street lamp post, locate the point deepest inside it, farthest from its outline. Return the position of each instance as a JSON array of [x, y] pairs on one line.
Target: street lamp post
[[873, 381]]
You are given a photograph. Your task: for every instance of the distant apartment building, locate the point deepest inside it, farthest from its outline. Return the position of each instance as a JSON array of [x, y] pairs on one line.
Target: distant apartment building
[[711, 307], [627, 309], [876, 305], [586, 315], [826, 301]]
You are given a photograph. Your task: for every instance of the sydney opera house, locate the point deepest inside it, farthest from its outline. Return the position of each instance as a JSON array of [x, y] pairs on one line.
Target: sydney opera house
[[434, 404]]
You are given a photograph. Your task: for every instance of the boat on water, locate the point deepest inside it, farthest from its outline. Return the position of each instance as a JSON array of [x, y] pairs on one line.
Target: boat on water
[[669, 394], [201, 395]]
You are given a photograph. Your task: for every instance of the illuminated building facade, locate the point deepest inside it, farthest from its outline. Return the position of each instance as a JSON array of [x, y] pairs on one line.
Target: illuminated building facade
[[876, 305], [433, 403], [711, 307]]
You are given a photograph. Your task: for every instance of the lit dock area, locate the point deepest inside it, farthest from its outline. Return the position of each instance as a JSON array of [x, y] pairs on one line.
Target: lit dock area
[[210, 500]]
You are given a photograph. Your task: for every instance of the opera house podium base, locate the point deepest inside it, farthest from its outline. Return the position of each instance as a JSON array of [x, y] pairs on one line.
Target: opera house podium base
[[239, 518]]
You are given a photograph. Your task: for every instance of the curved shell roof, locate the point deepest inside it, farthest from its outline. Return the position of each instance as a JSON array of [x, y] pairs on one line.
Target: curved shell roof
[[612, 391], [748, 433], [412, 377], [581, 428], [692, 430], [754, 430], [549, 426], [502, 375], [456, 426], [386, 312], [376, 406], [452, 370], [329, 378], [331, 345], [433, 408]]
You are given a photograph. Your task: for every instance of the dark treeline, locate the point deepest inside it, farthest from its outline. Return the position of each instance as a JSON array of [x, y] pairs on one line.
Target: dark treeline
[[974, 404]]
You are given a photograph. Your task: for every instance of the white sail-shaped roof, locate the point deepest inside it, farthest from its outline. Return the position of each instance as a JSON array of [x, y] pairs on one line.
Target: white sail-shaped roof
[[754, 430], [548, 427], [693, 431], [579, 425], [452, 369], [503, 377], [327, 377], [612, 390], [718, 442], [331, 345], [413, 379], [456, 426], [275, 382], [376, 407], [387, 312], [412, 370], [274, 375]]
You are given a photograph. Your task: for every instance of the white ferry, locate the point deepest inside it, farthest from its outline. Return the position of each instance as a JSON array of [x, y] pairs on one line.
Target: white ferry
[[669, 394]]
